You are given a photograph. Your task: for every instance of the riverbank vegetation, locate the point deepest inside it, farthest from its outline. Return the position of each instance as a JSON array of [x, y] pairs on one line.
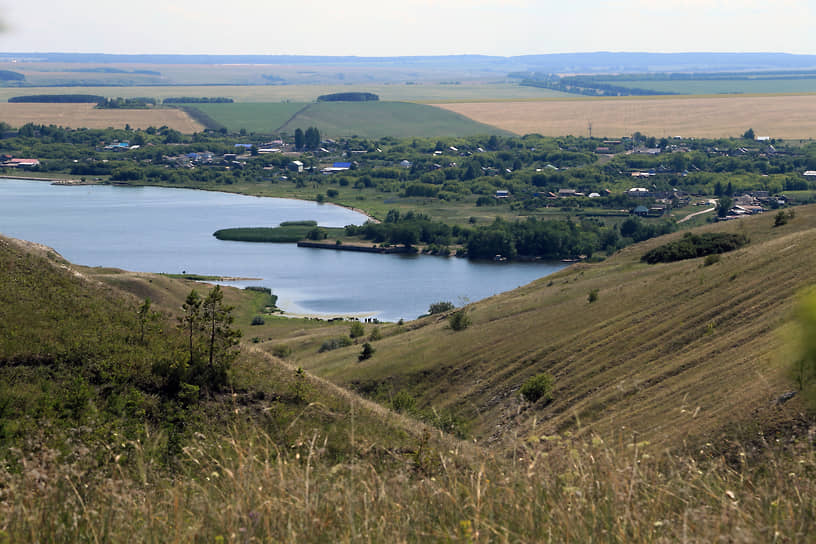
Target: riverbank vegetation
[[278, 235]]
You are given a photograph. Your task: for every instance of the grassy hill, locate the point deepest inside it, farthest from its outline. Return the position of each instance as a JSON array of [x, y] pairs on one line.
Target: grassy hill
[[663, 426], [674, 352], [264, 118], [381, 119], [339, 119]]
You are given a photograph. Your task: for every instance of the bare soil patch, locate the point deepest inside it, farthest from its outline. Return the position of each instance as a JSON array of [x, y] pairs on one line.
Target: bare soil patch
[[86, 116], [778, 116]]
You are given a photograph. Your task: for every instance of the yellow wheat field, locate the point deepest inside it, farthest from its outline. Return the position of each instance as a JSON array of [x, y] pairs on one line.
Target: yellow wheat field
[[86, 116], [777, 116]]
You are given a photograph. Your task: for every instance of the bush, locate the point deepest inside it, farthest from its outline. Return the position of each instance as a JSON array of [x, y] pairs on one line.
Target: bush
[[257, 320], [357, 330], [711, 259], [368, 351], [403, 402], [335, 343], [691, 246], [780, 219], [375, 334], [440, 307], [538, 387], [593, 296], [459, 320], [281, 351]]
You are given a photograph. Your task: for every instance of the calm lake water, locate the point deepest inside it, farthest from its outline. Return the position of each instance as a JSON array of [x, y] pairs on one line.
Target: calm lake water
[[151, 229]]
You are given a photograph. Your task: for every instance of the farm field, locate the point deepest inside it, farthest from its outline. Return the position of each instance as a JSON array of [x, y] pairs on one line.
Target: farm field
[[253, 116], [86, 116], [778, 116], [381, 119], [420, 92], [724, 86]]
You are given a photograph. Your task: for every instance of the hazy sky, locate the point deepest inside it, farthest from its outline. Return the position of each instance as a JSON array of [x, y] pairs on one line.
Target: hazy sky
[[406, 27]]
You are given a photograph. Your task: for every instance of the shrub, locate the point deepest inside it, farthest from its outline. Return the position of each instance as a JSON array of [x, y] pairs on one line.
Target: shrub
[[332, 193], [357, 330], [335, 343], [300, 387], [257, 320], [691, 246], [403, 402], [459, 320], [368, 351], [440, 307], [375, 334], [281, 351], [711, 259], [780, 219], [317, 234], [592, 296], [538, 387]]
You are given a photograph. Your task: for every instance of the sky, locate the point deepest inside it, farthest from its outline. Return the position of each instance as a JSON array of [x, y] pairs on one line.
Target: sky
[[406, 27]]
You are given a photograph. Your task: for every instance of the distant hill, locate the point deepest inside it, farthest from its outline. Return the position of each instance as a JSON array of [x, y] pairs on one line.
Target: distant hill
[[597, 62]]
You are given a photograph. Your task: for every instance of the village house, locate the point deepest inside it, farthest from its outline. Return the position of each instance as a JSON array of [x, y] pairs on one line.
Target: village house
[[336, 167], [20, 163]]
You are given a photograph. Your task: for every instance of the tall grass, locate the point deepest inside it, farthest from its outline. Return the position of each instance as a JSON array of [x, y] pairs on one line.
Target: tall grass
[[244, 487]]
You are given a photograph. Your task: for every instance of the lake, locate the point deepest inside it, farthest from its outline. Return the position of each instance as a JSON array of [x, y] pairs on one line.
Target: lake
[[153, 229]]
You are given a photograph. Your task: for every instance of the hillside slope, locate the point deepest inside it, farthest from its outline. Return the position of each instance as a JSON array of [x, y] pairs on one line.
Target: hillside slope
[[672, 351]]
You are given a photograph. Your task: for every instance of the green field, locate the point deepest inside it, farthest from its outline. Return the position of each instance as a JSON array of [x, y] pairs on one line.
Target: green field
[[340, 119], [723, 86], [382, 119], [254, 117]]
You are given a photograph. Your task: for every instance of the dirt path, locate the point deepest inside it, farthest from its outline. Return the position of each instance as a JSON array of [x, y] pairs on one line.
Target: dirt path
[[695, 214]]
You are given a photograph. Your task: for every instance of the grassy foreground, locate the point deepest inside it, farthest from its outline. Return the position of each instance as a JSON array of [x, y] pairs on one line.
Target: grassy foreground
[[91, 451], [243, 486]]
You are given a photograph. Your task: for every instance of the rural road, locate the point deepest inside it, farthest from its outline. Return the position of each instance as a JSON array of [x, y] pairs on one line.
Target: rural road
[[711, 201]]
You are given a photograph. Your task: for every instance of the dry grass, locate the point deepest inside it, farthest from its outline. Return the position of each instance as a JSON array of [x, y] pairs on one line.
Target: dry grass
[[674, 351], [244, 487], [86, 116], [780, 116]]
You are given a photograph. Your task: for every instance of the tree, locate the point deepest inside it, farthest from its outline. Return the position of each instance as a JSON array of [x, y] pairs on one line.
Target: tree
[[300, 139], [723, 206], [210, 339], [311, 138], [459, 320], [190, 320], [221, 337], [440, 307], [145, 316], [368, 351], [357, 329], [749, 134]]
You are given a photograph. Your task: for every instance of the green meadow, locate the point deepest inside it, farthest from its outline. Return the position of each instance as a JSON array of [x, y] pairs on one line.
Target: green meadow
[[341, 119]]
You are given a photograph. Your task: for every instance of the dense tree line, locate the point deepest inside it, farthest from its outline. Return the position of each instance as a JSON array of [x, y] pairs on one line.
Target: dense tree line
[[691, 246], [198, 100], [348, 97], [59, 99]]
